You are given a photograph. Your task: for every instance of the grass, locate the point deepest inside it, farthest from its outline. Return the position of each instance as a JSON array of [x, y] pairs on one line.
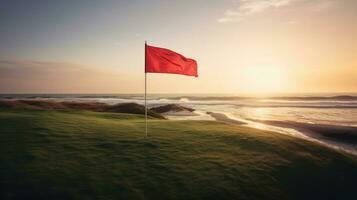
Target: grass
[[97, 155]]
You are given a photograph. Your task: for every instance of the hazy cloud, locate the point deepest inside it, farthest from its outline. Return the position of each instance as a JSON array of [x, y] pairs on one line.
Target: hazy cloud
[[323, 5], [244, 8], [249, 7]]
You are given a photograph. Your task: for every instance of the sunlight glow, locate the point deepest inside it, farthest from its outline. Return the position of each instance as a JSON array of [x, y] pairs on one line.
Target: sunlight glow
[[264, 79]]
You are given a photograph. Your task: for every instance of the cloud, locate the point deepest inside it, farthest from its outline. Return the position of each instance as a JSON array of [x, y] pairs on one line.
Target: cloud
[[249, 7], [246, 8], [292, 22], [323, 5]]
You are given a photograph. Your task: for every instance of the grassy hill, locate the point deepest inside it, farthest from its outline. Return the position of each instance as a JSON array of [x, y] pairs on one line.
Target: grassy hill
[[51, 154], [131, 108]]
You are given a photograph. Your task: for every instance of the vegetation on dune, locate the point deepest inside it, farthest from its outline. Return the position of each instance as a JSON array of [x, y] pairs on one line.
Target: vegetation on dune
[[132, 108], [171, 107], [49, 154]]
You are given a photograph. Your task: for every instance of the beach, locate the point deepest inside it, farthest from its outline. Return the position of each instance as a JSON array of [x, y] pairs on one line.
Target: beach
[[342, 138]]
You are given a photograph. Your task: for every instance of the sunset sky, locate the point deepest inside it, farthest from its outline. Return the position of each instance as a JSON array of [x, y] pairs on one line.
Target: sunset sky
[[241, 46]]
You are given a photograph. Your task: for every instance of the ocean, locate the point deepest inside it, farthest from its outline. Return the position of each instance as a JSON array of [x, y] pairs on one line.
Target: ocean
[[329, 119]]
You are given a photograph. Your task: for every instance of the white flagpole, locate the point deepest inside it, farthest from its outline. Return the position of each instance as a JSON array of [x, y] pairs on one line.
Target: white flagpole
[[146, 112], [146, 109]]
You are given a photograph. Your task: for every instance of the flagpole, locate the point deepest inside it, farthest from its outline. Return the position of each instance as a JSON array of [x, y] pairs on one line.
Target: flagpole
[[146, 110]]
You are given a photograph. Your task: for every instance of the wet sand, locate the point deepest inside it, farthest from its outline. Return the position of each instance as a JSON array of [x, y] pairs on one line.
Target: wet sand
[[224, 118], [337, 137], [346, 134]]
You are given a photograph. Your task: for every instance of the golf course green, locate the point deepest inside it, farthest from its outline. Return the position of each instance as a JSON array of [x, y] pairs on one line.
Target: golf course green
[[71, 154]]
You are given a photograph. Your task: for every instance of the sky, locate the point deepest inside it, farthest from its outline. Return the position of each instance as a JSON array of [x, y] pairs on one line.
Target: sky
[[241, 46]]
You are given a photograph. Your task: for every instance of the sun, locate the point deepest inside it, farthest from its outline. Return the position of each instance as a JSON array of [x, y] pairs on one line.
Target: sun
[[264, 79]]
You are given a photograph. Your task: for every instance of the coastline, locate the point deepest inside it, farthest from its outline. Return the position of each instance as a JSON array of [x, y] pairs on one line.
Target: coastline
[[336, 137], [225, 119]]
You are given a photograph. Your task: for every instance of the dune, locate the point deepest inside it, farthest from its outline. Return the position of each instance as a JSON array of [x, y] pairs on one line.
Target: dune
[[132, 108], [172, 108]]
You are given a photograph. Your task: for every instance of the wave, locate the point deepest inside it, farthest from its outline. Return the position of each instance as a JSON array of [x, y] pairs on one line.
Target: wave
[[299, 106], [185, 98], [319, 98], [285, 98]]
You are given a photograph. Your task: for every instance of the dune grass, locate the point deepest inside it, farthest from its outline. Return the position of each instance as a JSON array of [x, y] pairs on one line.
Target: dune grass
[[93, 155]]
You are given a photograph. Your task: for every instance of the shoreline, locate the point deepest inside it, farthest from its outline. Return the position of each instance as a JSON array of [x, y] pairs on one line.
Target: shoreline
[[225, 119], [336, 137], [312, 132]]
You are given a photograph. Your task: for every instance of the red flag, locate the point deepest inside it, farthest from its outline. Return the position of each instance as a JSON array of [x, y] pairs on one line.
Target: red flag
[[160, 60]]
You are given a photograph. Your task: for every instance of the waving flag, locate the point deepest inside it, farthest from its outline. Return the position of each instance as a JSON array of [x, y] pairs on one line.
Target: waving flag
[[160, 60]]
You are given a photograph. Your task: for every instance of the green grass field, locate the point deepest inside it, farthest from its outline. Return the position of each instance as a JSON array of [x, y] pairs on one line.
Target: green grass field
[[92, 155]]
